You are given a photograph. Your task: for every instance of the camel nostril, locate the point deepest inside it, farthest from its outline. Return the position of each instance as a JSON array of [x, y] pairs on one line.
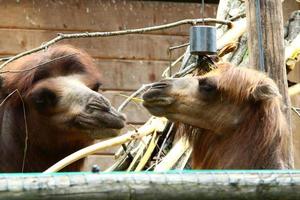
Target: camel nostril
[[159, 85], [117, 114], [97, 107]]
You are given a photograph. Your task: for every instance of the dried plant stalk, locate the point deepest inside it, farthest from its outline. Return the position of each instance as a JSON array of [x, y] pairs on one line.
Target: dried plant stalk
[[142, 148], [155, 124], [233, 34], [148, 152], [173, 156]]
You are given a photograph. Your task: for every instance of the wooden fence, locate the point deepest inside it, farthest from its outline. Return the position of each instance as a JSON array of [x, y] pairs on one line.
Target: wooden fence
[[205, 184]]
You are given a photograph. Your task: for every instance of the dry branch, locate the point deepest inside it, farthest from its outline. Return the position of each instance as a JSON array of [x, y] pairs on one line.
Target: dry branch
[[148, 152], [232, 35], [165, 73], [183, 162], [133, 95], [141, 150], [173, 156], [296, 110]]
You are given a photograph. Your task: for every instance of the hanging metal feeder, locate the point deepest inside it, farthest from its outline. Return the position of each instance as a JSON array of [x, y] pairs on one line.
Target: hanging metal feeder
[[203, 40]]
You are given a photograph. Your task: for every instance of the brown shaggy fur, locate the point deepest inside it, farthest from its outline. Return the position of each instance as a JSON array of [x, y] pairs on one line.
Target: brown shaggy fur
[[259, 141]]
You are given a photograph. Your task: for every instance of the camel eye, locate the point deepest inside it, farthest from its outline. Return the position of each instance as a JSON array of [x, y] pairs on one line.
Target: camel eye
[[206, 85], [96, 87], [44, 98]]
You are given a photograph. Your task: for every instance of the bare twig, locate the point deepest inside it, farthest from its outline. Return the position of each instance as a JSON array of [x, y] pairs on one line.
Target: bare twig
[[170, 63], [25, 70], [4, 59], [241, 15], [145, 158], [63, 36], [26, 132], [185, 61], [296, 111], [179, 46], [152, 166], [7, 97], [186, 70], [25, 123], [163, 143], [184, 159], [140, 90], [173, 155], [164, 74]]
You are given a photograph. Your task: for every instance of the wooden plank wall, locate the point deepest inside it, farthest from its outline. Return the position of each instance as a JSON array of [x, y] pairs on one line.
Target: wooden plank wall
[[127, 61]]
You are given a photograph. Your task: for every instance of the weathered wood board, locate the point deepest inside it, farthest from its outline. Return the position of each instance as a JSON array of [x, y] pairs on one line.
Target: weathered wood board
[[129, 75], [97, 15]]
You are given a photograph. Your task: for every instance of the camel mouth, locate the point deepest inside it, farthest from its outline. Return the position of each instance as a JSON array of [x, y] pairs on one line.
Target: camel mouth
[[96, 130], [114, 119], [161, 101], [156, 97], [101, 124], [111, 120]]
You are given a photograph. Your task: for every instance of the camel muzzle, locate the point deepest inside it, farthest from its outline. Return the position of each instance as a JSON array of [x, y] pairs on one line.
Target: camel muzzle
[[157, 95]]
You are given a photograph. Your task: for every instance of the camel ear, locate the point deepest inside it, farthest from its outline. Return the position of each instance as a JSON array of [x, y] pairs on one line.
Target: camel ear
[[265, 92]]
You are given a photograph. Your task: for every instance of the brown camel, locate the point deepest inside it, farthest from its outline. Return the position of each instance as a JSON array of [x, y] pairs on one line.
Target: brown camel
[[237, 112], [63, 109]]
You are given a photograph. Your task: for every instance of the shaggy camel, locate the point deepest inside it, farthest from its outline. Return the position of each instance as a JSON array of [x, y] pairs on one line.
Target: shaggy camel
[[63, 109], [237, 112]]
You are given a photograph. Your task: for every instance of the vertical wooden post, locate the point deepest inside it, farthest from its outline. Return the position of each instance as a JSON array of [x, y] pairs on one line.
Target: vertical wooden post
[[266, 48]]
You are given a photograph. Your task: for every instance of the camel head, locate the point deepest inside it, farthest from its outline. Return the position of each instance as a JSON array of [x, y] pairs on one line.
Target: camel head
[[216, 101]]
